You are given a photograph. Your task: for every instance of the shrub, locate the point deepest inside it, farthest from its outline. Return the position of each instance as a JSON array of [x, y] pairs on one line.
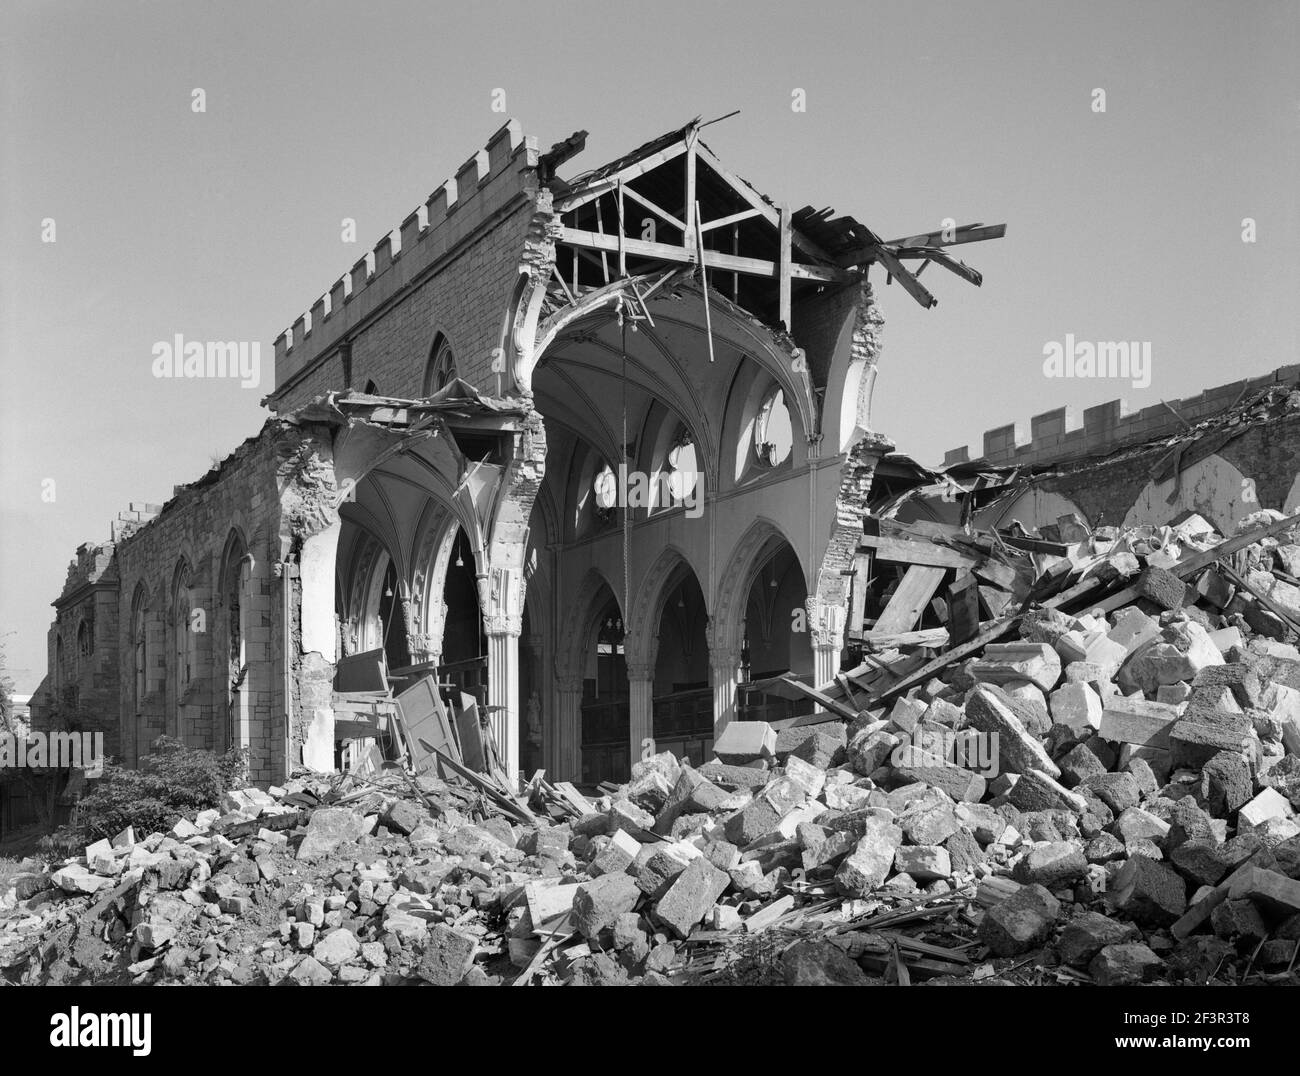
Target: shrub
[[172, 782]]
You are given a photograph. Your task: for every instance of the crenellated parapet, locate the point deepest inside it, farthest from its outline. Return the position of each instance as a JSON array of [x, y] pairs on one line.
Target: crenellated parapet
[[489, 182], [1063, 434]]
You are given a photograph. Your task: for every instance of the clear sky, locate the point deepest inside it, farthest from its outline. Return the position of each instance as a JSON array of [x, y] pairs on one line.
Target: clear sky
[[225, 225]]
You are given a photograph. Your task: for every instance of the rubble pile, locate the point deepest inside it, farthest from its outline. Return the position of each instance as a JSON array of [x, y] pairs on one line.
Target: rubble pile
[[1107, 795]]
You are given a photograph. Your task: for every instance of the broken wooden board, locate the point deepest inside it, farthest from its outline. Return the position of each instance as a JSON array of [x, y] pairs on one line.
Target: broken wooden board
[[470, 732], [823, 699], [570, 794], [963, 609], [923, 553], [428, 728], [498, 796], [858, 593], [904, 608], [932, 637]]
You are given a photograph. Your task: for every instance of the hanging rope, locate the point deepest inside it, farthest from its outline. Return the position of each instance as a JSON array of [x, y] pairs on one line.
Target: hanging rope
[[622, 326]]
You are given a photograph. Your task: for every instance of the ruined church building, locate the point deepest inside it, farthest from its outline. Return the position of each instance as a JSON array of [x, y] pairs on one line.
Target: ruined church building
[[441, 476]]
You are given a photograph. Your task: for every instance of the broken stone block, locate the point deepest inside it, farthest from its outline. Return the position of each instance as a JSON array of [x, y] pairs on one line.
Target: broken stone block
[[960, 784], [1135, 824], [1078, 765], [1118, 791], [964, 852], [1018, 750], [906, 715], [337, 948], [1149, 892], [1161, 586], [983, 821], [1133, 629], [868, 751], [619, 854], [310, 972], [741, 742], [1182, 651], [76, 879], [1086, 935], [690, 896], [867, 867], [626, 815], [598, 903], [820, 749], [1076, 706], [1137, 721], [1124, 964], [1035, 791], [1271, 890], [447, 957], [1239, 920], [1269, 804], [755, 820], [1103, 848], [1020, 922], [924, 862], [1003, 663], [1199, 735], [664, 864], [1226, 783], [811, 963], [330, 827], [929, 819], [1051, 864]]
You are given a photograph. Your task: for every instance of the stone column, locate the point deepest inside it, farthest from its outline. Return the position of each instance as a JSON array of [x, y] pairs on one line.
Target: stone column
[[503, 690], [568, 729], [826, 634], [724, 667], [640, 725]]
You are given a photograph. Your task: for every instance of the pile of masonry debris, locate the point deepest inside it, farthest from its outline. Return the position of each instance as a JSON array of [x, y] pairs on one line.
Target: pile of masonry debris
[[1108, 797]]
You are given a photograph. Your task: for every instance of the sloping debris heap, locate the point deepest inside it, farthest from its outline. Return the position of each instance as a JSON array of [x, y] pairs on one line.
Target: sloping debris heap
[[1106, 795]]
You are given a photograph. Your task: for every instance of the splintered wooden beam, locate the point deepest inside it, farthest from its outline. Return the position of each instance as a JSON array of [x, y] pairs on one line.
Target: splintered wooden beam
[[903, 275], [948, 237]]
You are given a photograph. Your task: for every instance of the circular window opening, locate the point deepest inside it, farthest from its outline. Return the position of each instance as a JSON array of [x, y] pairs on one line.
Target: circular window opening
[[773, 437]]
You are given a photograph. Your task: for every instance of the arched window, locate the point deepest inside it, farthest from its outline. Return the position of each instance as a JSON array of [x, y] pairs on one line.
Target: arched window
[[185, 638], [441, 368], [139, 647], [85, 641], [682, 467], [604, 488], [773, 438]]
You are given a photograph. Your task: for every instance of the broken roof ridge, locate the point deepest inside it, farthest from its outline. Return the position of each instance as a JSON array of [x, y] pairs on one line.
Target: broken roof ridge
[[1059, 434]]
